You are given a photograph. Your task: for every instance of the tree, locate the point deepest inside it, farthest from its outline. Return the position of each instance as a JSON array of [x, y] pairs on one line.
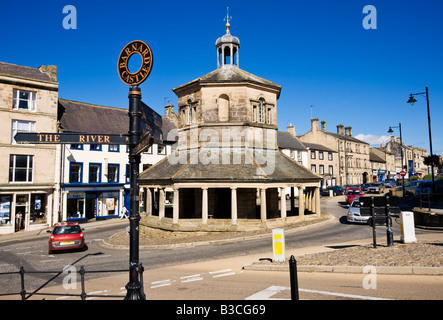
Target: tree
[[432, 160]]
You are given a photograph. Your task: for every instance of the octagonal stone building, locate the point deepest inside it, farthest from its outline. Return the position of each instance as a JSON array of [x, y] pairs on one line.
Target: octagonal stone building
[[226, 172]]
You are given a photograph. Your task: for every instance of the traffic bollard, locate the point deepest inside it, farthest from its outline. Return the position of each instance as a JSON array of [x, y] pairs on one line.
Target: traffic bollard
[[294, 280]]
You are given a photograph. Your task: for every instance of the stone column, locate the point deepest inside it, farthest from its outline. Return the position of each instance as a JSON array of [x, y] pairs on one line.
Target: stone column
[[204, 205], [317, 201], [283, 202], [301, 203], [161, 204], [175, 208], [148, 202], [234, 205], [263, 204]]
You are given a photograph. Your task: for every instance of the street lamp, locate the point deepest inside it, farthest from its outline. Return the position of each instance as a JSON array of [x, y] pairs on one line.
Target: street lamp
[[412, 100], [401, 153]]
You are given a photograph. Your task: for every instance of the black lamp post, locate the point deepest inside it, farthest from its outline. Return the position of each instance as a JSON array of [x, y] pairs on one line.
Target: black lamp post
[[401, 153], [412, 100]]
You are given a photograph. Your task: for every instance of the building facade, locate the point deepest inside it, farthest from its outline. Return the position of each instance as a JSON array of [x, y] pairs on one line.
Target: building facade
[[27, 172], [96, 177], [352, 153]]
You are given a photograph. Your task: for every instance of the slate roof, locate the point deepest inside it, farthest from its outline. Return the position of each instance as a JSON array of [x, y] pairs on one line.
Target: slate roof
[[243, 166], [320, 147], [375, 157], [231, 74], [9, 69], [81, 117], [287, 141]]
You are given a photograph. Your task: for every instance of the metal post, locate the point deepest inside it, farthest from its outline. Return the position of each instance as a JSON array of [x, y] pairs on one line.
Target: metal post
[[294, 279], [22, 280], [133, 287], [82, 280], [430, 139], [389, 233], [374, 232]]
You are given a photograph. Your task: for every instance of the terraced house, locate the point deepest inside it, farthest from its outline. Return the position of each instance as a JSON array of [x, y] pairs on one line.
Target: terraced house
[[28, 175]]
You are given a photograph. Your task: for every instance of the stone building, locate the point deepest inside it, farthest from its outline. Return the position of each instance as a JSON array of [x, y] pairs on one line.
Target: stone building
[[28, 175], [226, 170], [352, 153]]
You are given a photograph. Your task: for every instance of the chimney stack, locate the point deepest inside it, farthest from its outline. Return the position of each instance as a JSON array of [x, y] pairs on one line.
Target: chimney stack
[[323, 126], [348, 131], [291, 129], [314, 124], [340, 129]]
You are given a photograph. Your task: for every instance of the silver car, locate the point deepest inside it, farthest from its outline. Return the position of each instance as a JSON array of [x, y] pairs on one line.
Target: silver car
[[354, 215], [378, 187]]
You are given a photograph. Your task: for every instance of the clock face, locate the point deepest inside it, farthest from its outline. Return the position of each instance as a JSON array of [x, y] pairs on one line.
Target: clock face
[[142, 49]]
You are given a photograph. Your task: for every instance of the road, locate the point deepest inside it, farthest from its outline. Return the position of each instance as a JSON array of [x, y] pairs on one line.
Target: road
[[174, 271]]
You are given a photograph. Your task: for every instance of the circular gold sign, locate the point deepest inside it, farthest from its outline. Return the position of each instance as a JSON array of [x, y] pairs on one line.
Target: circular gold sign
[[135, 47]]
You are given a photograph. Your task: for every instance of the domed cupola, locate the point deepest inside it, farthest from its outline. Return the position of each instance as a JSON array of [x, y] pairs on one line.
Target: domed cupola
[[227, 48]]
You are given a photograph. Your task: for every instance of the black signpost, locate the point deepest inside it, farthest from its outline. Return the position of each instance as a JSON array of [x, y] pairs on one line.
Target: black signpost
[[151, 126], [145, 128]]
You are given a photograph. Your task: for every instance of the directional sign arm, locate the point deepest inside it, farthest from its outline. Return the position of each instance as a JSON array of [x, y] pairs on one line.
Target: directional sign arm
[[68, 138]]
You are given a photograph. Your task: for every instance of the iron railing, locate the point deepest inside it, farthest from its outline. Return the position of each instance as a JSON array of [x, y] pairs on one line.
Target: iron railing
[[83, 295]]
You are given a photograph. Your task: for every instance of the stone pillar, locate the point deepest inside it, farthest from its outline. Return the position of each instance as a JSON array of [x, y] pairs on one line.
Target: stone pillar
[[148, 205], [234, 205], [175, 208], [293, 199], [263, 204], [301, 202], [204, 205], [161, 204], [283, 202], [317, 201]]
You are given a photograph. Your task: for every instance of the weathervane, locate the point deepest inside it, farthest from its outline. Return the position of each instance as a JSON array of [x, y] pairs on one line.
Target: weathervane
[[227, 19]]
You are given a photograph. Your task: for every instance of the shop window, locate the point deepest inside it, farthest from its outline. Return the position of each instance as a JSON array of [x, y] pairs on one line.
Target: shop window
[[76, 205], [20, 168], [23, 100], [75, 172], [5, 210], [38, 209], [94, 172]]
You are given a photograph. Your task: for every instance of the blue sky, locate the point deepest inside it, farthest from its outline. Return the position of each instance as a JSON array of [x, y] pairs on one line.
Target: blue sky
[[318, 51]]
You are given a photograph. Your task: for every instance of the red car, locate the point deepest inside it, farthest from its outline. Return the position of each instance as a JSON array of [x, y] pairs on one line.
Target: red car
[[66, 235], [352, 194]]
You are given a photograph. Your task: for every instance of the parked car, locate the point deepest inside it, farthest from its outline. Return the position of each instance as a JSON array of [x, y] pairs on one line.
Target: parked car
[[354, 214], [352, 194], [411, 186], [352, 187], [425, 187], [336, 190], [390, 183], [66, 235], [364, 186], [376, 187]]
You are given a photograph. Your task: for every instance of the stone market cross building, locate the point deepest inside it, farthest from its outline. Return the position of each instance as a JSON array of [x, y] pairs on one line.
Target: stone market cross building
[[227, 172]]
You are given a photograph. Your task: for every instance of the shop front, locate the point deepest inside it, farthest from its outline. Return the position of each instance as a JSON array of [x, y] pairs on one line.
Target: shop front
[[25, 210], [86, 203]]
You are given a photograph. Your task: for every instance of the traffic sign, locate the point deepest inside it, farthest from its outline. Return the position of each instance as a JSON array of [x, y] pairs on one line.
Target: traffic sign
[[402, 173], [70, 138]]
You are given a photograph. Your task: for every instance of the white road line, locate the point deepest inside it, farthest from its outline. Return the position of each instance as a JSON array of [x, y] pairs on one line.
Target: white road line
[[220, 271], [224, 274], [267, 293]]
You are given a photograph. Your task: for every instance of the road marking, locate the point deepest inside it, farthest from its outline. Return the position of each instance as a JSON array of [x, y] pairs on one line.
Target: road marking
[[161, 283], [194, 277], [267, 293], [222, 273]]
